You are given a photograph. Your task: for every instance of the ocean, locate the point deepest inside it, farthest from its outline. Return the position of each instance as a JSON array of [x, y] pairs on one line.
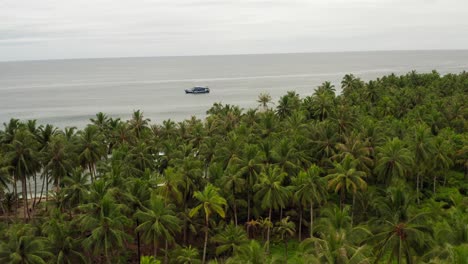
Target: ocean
[[70, 92]]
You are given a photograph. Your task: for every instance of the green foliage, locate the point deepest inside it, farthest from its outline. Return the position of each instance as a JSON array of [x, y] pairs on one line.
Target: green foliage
[[377, 174]]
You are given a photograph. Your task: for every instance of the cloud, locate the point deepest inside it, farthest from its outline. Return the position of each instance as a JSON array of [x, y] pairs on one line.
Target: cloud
[[46, 29]]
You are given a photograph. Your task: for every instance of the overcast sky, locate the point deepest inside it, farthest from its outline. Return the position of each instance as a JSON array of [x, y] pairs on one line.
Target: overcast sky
[[54, 29]]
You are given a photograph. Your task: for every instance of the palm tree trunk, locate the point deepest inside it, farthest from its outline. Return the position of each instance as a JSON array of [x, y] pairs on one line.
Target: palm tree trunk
[[352, 209], [268, 233], [311, 219], [15, 190], [248, 206], [31, 193], [35, 190], [47, 189], [206, 241], [106, 251], [286, 250], [417, 187], [165, 252], [342, 198], [25, 198], [235, 211], [138, 242], [155, 247], [300, 224]]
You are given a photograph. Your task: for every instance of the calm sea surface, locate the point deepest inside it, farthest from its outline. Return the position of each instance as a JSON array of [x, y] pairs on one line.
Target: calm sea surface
[[69, 92]]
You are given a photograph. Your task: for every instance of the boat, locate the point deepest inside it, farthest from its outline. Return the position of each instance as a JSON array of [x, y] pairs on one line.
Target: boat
[[198, 90]]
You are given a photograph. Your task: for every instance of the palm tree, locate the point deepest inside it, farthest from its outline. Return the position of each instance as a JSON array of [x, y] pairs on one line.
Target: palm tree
[[284, 229], [76, 187], [58, 160], [345, 177], [91, 149], [22, 247], [264, 99], [271, 193], [422, 148], [104, 224], [22, 157], [61, 241], [138, 123], [158, 222], [251, 253], [397, 240], [232, 184], [249, 165], [393, 160], [187, 255], [309, 188], [229, 239], [336, 240], [212, 203]]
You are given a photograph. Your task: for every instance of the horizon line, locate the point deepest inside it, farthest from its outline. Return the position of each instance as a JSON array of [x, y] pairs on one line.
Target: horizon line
[[232, 54]]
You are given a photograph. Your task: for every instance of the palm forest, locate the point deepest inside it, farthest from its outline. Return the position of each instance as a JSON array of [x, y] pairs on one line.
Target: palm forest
[[374, 173]]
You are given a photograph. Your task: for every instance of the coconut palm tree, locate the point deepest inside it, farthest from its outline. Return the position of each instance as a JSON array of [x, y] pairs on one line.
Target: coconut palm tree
[[103, 223], [22, 158], [230, 239], [61, 241], [264, 99], [394, 161], [285, 229], [76, 187], [344, 177], [187, 255], [91, 149], [58, 160], [271, 193], [251, 253], [211, 203], [23, 247], [249, 166], [309, 189], [138, 123], [158, 222]]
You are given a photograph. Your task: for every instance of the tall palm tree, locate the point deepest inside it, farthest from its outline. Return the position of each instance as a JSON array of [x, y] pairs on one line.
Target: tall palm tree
[[22, 157], [264, 99], [232, 184], [138, 123], [187, 255], [271, 193], [422, 148], [57, 160], [394, 161], [158, 222], [397, 240], [104, 224], [252, 253], [230, 239], [344, 177], [309, 189], [211, 203], [76, 187], [91, 149], [249, 166], [285, 229], [61, 241], [23, 247]]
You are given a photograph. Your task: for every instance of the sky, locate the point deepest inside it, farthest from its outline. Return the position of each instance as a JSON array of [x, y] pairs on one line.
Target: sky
[[58, 29]]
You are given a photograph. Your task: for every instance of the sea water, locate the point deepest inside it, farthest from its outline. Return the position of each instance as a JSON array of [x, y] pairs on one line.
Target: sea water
[[69, 92]]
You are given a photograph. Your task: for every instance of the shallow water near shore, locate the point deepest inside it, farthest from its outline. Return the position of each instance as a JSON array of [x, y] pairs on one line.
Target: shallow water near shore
[[69, 92]]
